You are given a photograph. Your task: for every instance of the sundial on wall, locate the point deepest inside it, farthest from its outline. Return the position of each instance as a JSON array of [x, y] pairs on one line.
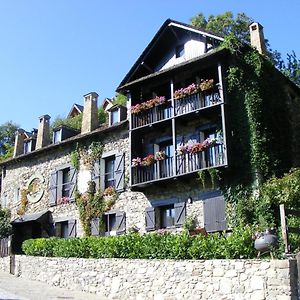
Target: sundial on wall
[[34, 188]]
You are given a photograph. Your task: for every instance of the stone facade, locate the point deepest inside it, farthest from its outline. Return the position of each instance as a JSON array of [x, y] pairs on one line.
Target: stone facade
[[133, 203], [165, 279]]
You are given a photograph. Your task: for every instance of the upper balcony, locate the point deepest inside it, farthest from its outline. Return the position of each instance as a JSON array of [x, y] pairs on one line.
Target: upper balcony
[[185, 100]]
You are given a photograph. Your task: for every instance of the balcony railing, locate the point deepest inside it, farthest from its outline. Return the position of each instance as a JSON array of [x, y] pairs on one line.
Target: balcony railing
[[160, 169], [196, 101], [182, 106], [185, 163], [152, 115]]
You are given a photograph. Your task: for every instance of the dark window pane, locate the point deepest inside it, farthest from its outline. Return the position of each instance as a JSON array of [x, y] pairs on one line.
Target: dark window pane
[[110, 172], [66, 182]]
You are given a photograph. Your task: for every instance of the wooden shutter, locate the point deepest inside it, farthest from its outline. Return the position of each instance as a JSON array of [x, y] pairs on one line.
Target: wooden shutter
[[72, 228], [52, 189], [73, 180], [150, 218], [95, 226], [180, 213], [214, 214], [96, 174], [120, 172], [120, 222]]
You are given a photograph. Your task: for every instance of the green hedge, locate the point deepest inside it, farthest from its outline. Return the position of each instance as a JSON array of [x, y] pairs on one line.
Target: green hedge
[[161, 246]]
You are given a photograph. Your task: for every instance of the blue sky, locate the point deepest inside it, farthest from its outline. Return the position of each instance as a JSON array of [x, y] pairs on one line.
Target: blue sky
[[55, 51]]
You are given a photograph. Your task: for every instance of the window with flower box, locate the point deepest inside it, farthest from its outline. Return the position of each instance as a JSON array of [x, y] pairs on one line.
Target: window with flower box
[[62, 185]]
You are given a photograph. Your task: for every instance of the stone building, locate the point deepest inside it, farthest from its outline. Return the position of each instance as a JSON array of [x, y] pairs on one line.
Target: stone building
[[179, 126]]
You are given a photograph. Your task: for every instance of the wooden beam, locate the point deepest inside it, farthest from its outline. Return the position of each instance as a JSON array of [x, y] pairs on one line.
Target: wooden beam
[[284, 228]]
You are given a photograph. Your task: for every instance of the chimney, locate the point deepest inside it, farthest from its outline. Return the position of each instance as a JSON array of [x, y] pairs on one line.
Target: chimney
[[19, 142], [43, 135], [90, 113], [257, 37]]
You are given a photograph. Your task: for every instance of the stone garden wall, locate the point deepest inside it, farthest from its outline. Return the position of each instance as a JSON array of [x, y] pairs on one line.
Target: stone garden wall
[[165, 279]]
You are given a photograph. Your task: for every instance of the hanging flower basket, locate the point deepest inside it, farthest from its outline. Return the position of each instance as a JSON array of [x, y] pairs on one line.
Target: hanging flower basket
[[158, 100], [160, 155], [206, 84]]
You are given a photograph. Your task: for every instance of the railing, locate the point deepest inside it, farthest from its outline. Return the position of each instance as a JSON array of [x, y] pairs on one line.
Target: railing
[[152, 115], [160, 169], [185, 163], [196, 101]]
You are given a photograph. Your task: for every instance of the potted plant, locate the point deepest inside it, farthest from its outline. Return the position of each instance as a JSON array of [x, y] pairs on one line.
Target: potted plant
[[148, 160], [160, 155], [206, 84]]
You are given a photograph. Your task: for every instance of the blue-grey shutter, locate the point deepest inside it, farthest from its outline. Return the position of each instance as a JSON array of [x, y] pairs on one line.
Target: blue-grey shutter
[[95, 226], [120, 222], [52, 189], [150, 218], [214, 214], [96, 174], [120, 172], [57, 229], [72, 232], [73, 180], [180, 213]]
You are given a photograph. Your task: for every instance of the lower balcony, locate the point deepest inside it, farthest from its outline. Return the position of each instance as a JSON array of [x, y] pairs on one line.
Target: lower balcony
[[184, 164]]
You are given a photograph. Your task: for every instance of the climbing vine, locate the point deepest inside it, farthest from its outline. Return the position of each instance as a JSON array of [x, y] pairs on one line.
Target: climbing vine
[[93, 204]]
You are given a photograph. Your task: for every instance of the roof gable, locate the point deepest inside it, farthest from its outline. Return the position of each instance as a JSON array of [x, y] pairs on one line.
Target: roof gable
[[75, 110], [161, 53]]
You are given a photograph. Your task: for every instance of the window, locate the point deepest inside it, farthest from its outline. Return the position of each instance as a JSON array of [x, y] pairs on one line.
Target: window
[[110, 223], [109, 172], [179, 51], [114, 116], [65, 187], [65, 229], [62, 186], [17, 195], [167, 216], [56, 136], [27, 146]]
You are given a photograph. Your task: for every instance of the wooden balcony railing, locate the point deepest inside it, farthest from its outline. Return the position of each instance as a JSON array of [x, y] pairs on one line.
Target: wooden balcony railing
[[152, 115], [196, 101], [185, 163]]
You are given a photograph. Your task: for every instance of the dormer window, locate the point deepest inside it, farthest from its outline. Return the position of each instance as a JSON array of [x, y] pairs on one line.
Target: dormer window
[[179, 51], [63, 132], [117, 114], [29, 145]]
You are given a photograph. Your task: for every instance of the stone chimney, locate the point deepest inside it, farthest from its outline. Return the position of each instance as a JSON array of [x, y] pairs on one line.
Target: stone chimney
[[90, 113], [43, 135], [257, 37], [19, 142]]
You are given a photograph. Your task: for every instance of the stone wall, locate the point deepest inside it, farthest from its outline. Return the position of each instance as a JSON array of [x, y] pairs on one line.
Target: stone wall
[[167, 279]]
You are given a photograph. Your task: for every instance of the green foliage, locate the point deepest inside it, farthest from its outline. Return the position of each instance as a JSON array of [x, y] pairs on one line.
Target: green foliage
[[74, 122], [119, 99], [102, 115], [225, 24], [7, 139], [149, 246], [92, 204], [292, 68], [202, 177], [5, 227]]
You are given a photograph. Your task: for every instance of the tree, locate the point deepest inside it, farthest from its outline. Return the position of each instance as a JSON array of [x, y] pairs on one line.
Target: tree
[[225, 24], [5, 227], [7, 138]]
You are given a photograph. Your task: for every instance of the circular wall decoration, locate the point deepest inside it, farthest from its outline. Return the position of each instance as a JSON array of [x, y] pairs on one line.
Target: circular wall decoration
[[35, 191]]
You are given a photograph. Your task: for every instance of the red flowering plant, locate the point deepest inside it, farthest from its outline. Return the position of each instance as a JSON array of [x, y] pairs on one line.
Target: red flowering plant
[[160, 155], [158, 100], [206, 84], [148, 160], [63, 200], [189, 90], [193, 146]]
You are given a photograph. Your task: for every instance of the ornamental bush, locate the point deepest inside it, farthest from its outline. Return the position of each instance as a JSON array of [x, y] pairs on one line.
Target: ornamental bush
[[149, 246]]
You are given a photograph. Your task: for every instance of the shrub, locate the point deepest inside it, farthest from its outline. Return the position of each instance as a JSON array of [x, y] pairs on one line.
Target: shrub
[[149, 246]]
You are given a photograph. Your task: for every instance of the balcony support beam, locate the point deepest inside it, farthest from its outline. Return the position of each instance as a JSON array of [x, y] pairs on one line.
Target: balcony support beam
[[221, 91], [173, 128]]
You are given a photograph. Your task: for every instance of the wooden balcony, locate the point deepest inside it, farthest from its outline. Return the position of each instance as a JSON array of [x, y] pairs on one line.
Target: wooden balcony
[[183, 105], [196, 101], [184, 164], [152, 115]]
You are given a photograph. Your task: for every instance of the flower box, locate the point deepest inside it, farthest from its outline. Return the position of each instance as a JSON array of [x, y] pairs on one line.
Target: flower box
[[158, 100], [206, 84]]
